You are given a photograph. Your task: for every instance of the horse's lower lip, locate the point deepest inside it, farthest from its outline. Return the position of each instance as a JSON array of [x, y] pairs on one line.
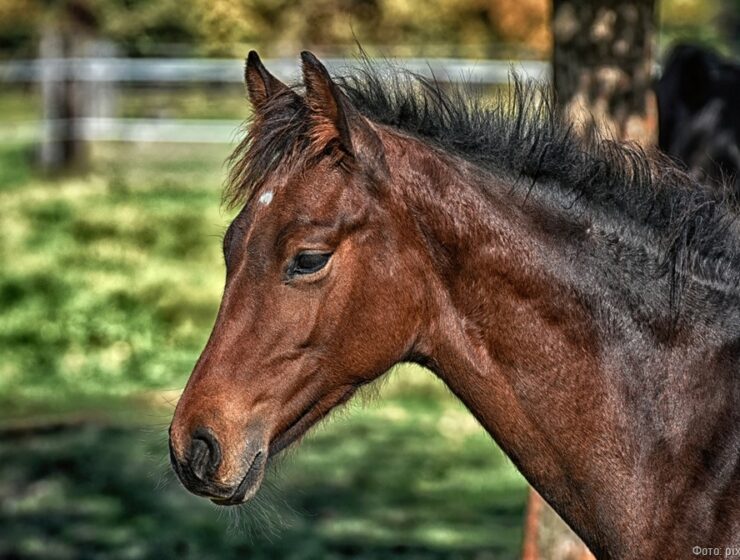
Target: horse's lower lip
[[250, 480]]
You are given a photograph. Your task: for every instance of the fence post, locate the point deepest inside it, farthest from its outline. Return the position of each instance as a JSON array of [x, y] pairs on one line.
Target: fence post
[[63, 44]]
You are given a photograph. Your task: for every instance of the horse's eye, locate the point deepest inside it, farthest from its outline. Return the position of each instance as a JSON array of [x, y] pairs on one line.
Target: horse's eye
[[307, 263]]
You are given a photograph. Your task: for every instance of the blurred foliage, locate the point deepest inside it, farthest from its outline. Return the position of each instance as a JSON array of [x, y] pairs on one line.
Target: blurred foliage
[[712, 22], [429, 27], [278, 27], [476, 28], [138, 26]]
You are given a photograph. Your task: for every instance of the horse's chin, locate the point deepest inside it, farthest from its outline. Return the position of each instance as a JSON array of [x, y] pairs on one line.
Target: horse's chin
[[249, 484]]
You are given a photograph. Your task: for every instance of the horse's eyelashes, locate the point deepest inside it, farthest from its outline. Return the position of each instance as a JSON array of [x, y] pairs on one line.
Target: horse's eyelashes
[[308, 262]]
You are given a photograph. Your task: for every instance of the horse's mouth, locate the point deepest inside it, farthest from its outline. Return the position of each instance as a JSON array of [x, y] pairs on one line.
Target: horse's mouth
[[311, 415], [249, 484]]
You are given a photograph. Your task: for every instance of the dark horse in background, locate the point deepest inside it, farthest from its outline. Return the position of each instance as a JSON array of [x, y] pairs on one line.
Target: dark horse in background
[[582, 301], [699, 107]]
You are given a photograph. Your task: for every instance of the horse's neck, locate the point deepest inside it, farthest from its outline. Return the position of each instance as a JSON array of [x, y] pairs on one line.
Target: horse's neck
[[527, 356]]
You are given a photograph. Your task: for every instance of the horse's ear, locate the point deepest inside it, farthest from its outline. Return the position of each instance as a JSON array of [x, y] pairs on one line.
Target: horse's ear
[[261, 85], [337, 121]]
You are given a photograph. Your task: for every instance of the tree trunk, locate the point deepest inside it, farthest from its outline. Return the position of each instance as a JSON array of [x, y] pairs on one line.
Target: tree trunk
[[61, 147], [602, 76], [65, 40], [602, 66], [546, 535]]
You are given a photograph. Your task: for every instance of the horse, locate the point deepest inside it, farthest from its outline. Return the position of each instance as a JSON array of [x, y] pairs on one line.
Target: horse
[[699, 119], [580, 298]]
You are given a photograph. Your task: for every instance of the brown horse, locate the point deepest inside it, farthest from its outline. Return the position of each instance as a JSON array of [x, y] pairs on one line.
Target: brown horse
[[583, 301]]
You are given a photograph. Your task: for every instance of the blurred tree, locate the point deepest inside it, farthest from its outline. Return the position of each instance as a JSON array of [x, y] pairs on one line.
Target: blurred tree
[[602, 66]]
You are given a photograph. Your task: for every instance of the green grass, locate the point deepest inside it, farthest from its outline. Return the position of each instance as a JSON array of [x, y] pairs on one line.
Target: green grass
[[196, 102], [109, 286], [19, 103], [217, 102], [111, 280], [409, 476]]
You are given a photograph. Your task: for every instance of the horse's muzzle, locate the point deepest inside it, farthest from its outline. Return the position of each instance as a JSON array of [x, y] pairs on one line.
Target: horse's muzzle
[[198, 467]]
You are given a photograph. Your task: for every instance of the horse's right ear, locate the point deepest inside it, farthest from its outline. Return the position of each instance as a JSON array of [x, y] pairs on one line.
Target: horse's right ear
[[335, 121], [261, 85]]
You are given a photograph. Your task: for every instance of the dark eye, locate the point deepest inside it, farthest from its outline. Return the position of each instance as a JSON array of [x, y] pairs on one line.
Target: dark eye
[[307, 263]]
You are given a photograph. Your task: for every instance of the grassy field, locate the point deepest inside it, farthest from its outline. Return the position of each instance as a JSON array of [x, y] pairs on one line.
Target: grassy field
[[110, 280], [411, 476], [19, 103], [108, 287]]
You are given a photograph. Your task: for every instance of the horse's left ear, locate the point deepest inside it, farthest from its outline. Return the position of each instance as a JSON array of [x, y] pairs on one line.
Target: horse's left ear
[[337, 121], [261, 85]]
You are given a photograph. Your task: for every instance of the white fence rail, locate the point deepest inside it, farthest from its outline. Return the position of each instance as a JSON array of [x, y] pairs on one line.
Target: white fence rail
[[187, 70], [98, 78]]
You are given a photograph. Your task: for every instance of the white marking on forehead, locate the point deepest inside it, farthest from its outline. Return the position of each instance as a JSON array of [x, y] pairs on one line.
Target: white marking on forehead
[[266, 198]]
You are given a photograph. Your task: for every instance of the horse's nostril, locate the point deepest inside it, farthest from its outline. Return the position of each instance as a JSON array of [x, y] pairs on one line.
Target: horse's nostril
[[204, 455]]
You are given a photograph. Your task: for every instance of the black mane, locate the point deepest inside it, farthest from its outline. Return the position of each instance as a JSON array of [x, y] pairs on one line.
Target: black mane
[[523, 137]]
